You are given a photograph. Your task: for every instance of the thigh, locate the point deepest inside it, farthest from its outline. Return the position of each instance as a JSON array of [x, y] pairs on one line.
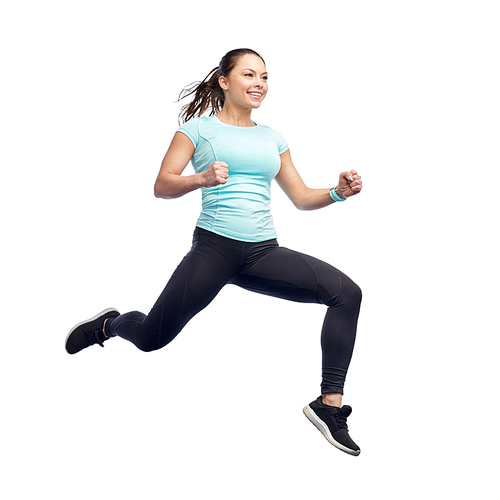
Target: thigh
[[194, 284], [292, 275]]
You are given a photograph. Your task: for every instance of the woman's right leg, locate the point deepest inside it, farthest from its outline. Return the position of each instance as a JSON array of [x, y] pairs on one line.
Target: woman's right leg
[[195, 283]]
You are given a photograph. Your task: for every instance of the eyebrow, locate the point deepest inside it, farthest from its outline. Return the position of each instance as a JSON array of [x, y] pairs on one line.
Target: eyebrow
[[250, 69]]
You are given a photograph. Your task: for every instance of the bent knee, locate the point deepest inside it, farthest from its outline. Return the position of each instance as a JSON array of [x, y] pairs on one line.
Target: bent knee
[[351, 293], [357, 293], [148, 340], [155, 340], [148, 346]]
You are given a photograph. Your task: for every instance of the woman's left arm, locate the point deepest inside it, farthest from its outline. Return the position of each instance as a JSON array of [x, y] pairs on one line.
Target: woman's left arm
[[305, 198]]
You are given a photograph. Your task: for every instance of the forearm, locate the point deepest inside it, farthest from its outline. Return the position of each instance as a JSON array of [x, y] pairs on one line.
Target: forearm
[[303, 197], [312, 199], [170, 186]]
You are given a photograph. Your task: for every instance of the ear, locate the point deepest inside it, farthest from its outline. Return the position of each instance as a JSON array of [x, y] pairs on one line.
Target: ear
[[223, 82]]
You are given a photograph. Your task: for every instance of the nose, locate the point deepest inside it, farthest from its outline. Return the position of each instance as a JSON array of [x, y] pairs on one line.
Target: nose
[[259, 84]]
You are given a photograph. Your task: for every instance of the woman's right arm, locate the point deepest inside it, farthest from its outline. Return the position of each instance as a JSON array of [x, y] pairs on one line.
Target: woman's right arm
[[171, 184]]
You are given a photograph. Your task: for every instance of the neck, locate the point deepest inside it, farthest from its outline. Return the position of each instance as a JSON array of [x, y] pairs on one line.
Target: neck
[[236, 117]]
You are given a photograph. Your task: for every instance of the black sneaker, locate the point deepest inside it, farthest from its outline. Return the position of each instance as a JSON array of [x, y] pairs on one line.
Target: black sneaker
[[332, 422], [89, 332]]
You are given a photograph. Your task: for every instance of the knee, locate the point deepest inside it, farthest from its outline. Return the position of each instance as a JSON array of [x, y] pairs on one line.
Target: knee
[[352, 292], [148, 339], [147, 345], [153, 340], [341, 291], [357, 292]]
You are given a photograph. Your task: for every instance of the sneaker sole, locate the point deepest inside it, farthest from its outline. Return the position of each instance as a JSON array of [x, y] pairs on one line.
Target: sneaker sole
[[97, 316], [323, 428]]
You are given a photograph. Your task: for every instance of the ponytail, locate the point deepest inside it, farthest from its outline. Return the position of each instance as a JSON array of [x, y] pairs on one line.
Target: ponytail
[[208, 94]]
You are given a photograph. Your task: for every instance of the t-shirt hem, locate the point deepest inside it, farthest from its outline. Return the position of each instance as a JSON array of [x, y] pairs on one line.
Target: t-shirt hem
[[232, 236]]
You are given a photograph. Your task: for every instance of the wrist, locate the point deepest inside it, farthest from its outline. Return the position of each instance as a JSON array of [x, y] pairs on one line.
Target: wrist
[[201, 181], [340, 192], [336, 195]]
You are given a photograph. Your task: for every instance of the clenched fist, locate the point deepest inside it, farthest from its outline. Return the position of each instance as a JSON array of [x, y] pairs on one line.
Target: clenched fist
[[217, 173], [349, 184]]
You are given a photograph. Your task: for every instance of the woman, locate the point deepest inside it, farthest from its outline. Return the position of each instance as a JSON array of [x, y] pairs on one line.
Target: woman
[[234, 242]]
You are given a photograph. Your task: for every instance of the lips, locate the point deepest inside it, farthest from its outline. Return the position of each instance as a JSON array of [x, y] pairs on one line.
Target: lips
[[256, 95]]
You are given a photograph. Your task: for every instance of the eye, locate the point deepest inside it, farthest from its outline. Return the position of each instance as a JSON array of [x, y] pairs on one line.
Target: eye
[[249, 74], [265, 77]]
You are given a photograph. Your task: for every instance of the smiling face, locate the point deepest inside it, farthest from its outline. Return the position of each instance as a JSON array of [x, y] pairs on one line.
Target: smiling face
[[246, 84]]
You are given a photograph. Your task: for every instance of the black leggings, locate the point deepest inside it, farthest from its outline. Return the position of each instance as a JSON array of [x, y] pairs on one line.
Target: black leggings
[[264, 267]]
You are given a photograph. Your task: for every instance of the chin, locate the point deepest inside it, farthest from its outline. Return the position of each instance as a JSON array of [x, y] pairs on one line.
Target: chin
[[255, 105]]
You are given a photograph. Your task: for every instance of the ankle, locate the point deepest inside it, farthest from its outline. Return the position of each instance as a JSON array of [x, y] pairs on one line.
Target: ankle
[[104, 328], [332, 399]]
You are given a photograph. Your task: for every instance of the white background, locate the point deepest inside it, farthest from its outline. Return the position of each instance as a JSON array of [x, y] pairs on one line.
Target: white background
[[406, 92]]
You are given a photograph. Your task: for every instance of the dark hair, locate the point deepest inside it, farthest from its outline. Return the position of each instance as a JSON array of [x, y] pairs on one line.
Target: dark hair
[[208, 94]]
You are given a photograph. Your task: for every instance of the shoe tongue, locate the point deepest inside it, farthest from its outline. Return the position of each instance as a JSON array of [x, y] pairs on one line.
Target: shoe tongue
[[345, 410]]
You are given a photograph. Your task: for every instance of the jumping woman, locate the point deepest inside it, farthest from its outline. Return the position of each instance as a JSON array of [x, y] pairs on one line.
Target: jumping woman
[[234, 242]]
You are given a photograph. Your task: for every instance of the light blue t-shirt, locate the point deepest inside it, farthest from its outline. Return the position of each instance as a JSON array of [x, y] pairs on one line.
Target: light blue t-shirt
[[239, 209]]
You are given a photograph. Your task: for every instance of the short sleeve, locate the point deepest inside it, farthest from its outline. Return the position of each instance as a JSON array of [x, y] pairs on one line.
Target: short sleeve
[[191, 129], [282, 144]]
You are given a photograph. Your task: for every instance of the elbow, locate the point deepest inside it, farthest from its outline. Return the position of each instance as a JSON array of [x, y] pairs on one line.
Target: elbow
[[301, 199], [156, 191], [166, 188], [161, 189], [301, 204], [160, 192]]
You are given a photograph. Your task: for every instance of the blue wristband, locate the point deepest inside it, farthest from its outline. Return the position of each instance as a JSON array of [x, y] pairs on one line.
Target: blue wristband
[[335, 197]]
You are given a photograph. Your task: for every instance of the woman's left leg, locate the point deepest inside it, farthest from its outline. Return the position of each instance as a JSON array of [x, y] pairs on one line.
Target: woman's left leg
[[290, 275], [295, 276]]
